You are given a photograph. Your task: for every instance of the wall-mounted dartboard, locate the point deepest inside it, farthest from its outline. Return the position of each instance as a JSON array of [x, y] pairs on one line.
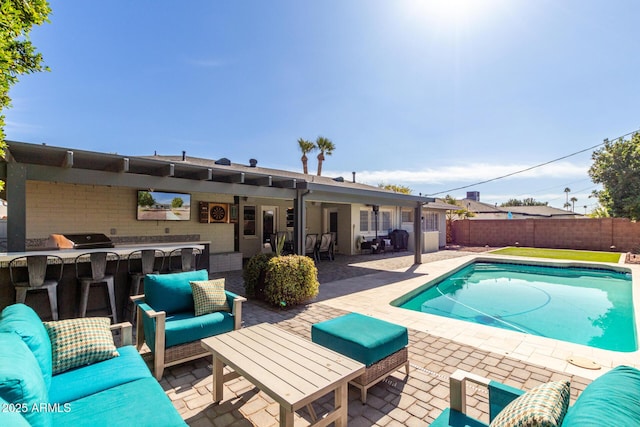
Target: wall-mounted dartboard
[[218, 212]]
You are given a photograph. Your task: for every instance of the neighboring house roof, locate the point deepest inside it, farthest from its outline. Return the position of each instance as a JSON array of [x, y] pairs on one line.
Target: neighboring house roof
[[442, 205], [480, 208]]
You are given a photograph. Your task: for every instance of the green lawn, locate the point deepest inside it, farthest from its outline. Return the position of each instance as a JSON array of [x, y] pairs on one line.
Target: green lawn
[[560, 254]]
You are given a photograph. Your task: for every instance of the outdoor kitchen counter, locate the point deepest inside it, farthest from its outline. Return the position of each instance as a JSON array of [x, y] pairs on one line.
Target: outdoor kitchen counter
[[68, 289]]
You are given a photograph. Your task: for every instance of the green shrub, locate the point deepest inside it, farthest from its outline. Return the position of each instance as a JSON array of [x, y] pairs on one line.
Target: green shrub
[[254, 274], [290, 280]]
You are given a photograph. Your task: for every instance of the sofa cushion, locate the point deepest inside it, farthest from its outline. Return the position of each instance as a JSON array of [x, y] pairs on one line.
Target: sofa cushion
[[79, 342], [140, 403], [22, 320], [182, 328], [209, 296], [171, 292], [612, 399], [11, 415], [74, 384], [21, 380], [363, 338], [543, 406]]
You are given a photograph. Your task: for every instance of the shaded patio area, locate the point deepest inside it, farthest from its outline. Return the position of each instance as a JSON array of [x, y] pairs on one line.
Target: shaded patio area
[[397, 401]]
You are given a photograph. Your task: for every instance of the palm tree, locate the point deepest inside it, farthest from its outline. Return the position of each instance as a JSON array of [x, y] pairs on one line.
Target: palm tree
[[567, 190], [326, 147], [567, 205], [573, 204], [306, 147]]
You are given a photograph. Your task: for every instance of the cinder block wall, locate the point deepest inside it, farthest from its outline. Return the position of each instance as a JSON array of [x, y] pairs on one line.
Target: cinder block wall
[[600, 234], [71, 208]]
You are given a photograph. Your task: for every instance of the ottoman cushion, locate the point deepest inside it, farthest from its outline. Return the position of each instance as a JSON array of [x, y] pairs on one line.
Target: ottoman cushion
[[362, 338]]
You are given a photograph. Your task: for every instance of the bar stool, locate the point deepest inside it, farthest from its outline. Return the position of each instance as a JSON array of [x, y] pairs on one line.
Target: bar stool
[[37, 271], [98, 275], [188, 259], [151, 262]]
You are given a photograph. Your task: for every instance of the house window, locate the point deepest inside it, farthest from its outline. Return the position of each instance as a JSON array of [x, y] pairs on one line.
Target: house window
[[407, 216], [364, 221], [368, 221], [384, 218], [431, 221], [249, 220]]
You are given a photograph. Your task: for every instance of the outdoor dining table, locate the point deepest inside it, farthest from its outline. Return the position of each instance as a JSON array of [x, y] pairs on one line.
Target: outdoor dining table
[[290, 369]]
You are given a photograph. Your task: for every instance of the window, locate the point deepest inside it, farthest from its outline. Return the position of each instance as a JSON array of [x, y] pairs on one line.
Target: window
[[407, 216], [368, 221], [384, 219], [249, 220], [431, 221], [364, 221]]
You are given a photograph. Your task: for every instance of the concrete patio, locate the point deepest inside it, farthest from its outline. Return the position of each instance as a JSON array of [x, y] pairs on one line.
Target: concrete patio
[[397, 401]]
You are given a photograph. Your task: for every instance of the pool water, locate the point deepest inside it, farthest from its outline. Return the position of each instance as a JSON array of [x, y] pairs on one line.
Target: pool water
[[586, 306]]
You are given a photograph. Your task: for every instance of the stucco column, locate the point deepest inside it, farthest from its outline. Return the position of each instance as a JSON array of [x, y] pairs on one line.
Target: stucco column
[[417, 234], [16, 207]]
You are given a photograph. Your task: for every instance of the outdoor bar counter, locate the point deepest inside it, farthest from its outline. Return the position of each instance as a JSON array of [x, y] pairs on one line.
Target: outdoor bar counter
[[68, 289]]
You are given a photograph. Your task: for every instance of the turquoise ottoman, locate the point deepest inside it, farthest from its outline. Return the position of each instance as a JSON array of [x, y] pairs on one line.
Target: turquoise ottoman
[[380, 345]]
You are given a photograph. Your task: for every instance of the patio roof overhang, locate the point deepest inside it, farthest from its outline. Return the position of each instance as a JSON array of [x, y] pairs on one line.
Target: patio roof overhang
[[41, 162]]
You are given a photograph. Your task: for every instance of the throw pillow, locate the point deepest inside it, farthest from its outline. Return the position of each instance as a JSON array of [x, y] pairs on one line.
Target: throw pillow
[[78, 342], [543, 406], [209, 296]]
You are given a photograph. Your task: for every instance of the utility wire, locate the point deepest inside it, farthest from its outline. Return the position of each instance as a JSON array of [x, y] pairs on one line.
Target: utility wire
[[532, 167]]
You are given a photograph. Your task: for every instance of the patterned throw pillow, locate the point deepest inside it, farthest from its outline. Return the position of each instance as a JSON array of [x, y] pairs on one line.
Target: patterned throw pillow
[[78, 342], [544, 406], [209, 296]]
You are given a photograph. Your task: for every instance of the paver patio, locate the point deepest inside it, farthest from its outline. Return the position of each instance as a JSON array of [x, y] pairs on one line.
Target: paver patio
[[397, 401]]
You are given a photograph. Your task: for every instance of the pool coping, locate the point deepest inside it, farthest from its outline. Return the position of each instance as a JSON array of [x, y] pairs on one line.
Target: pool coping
[[546, 352]]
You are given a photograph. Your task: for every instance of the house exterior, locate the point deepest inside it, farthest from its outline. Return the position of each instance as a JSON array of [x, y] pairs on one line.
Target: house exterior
[[488, 211], [234, 207]]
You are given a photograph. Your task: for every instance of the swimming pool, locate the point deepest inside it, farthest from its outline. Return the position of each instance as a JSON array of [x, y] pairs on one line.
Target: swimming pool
[[586, 306]]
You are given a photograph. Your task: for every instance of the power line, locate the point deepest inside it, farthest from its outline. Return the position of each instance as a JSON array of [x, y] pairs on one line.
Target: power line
[[532, 167]]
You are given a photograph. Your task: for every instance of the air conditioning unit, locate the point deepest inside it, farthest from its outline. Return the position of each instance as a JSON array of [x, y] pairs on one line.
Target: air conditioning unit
[[218, 212]]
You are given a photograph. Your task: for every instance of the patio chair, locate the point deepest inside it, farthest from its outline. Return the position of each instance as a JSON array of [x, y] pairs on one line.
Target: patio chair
[[178, 310], [151, 262], [99, 275], [311, 246], [612, 399], [326, 246], [184, 259], [36, 266]]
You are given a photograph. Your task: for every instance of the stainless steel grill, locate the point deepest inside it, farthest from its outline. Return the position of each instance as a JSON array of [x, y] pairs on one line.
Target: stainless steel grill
[[79, 241]]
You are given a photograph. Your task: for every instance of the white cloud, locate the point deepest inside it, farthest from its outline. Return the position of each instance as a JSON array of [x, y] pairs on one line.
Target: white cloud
[[471, 173]]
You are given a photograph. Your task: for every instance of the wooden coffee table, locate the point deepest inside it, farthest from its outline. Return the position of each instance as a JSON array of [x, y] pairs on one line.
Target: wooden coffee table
[[290, 369]]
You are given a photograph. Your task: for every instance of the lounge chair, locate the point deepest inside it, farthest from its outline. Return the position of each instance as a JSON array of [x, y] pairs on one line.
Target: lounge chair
[[311, 246], [612, 399], [326, 246]]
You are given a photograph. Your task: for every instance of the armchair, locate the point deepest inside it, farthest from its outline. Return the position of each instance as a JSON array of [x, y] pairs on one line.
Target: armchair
[[167, 322]]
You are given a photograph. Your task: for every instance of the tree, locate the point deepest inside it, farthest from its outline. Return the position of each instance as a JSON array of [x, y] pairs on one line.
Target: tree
[[306, 147], [397, 188], [177, 202], [17, 53], [567, 190], [616, 166], [145, 199], [529, 201], [326, 147], [461, 213], [573, 203]]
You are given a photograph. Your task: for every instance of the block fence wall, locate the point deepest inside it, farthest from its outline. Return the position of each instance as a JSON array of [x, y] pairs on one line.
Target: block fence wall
[[599, 234]]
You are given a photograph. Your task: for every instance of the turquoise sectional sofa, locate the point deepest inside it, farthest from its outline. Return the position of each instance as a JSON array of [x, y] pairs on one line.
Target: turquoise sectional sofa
[[119, 391], [613, 399]]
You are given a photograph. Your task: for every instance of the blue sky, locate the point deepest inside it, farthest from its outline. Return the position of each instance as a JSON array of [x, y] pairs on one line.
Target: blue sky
[[434, 95]]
